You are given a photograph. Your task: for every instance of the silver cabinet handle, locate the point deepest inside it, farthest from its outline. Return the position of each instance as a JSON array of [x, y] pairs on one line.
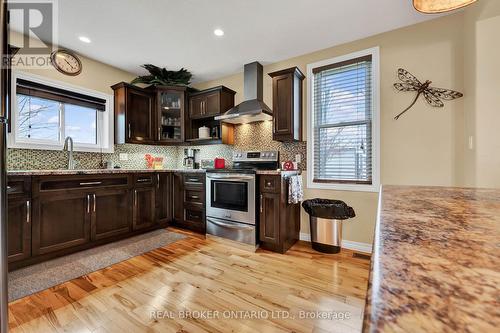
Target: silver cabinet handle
[[90, 183], [193, 180], [88, 203], [94, 202], [159, 133], [158, 181], [143, 180], [195, 197], [135, 199], [129, 131], [28, 212], [261, 208], [9, 187]]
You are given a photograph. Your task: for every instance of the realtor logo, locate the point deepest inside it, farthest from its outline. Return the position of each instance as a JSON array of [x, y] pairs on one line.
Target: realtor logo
[[34, 23]]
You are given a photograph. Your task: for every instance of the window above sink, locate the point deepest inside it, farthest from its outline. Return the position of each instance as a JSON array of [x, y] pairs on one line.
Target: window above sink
[[45, 112]]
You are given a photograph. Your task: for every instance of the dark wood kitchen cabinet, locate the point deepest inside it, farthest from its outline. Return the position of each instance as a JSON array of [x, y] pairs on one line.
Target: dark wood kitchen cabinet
[[287, 104], [210, 102], [269, 217], [203, 106], [135, 114], [71, 211], [51, 216], [110, 213], [189, 201], [19, 218], [178, 195], [164, 193], [170, 114], [61, 219], [144, 202], [279, 221]]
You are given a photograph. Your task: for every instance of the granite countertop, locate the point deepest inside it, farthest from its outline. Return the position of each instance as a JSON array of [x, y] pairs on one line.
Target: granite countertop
[[118, 171], [436, 261], [278, 172], [92, 171]]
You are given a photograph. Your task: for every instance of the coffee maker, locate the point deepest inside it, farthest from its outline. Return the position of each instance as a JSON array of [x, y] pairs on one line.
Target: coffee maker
[[191, 158]]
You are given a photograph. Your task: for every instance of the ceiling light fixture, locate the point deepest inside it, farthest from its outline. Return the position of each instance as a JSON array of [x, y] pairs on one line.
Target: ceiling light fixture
[[219, 32], [440, 6], [84, 39]]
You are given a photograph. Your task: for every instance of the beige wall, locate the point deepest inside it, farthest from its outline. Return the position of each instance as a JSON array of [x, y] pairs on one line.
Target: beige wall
[[95, 75], [427, 145], [482, 101]]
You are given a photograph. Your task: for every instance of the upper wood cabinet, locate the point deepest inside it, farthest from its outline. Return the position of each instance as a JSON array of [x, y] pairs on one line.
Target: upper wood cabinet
[[170, 114], [287, 104], [134, 114], [210, 102]]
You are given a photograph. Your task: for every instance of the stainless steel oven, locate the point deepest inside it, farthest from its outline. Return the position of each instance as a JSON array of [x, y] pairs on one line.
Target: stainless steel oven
[[231, 196], [231, 205]]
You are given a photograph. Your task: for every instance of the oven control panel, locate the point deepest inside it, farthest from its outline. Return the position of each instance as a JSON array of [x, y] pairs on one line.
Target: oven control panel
[[244, 156]]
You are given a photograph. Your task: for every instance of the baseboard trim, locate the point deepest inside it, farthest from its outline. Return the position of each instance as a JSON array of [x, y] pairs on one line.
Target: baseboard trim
[[346, 244]]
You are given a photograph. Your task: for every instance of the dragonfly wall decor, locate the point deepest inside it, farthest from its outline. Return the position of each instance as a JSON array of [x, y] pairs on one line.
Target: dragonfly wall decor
[[433, 96]]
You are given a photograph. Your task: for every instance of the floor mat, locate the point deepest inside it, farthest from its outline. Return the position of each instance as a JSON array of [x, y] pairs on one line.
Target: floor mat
[[32, 279]]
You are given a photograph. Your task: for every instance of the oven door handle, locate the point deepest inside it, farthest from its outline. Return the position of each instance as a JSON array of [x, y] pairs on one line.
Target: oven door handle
[[228, 225], [231, 177]]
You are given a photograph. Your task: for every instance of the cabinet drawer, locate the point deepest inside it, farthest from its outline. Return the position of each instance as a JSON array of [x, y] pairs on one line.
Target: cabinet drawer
[[271, 184], [193, 215], [144, 179], [18, 186], [60, 183], [194, 196], [194, 180]]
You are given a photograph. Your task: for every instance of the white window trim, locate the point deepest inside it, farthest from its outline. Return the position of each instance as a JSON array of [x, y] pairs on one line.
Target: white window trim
[[105, 123], [374, 187]]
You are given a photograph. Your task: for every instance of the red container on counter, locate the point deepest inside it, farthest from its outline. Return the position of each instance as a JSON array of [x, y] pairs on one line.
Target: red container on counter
[[219, 163]]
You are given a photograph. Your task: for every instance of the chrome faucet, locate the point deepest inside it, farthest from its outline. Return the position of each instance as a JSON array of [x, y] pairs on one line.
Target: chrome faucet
[[71, 160]]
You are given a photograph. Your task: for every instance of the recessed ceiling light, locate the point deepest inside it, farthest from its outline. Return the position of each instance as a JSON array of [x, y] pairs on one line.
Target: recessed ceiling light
[[219, 32], [84, 39]]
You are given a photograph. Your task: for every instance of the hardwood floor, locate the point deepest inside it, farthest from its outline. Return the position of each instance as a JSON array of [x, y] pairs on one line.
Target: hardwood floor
[[241, 291]]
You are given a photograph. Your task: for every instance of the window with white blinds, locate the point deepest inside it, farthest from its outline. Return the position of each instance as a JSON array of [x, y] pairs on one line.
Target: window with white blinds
[[342, 121]]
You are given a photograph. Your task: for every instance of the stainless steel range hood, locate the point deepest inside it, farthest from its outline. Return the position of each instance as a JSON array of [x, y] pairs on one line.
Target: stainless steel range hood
[[253, 108]]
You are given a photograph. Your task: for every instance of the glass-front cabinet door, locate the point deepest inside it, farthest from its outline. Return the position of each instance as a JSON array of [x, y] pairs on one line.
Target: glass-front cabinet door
[[171, 106]]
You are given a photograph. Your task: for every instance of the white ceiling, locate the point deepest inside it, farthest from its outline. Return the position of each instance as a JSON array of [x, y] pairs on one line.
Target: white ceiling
[[179, 33]]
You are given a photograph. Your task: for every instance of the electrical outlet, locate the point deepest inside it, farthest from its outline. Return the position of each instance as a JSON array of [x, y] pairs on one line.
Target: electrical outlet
[[298, 158], [123, 157]]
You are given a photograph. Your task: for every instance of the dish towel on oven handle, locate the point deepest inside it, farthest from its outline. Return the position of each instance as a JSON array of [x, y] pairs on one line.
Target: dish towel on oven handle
[[295, 191]]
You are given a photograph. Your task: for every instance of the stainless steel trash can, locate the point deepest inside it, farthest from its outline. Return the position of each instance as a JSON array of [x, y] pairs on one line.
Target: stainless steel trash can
[[326, 234], [325, 218]]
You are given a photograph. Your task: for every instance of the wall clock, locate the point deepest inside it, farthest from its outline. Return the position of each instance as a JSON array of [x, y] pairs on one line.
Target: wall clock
[[66, 62]]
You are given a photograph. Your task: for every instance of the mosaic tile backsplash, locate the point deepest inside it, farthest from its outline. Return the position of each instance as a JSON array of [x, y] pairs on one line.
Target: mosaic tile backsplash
[[255, 136]]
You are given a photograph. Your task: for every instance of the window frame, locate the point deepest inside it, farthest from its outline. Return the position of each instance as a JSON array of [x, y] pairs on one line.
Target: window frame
[[375, 124], [104, 124]]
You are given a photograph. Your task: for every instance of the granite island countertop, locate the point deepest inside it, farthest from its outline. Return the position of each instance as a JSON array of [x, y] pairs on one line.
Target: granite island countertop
[[436, 261]]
